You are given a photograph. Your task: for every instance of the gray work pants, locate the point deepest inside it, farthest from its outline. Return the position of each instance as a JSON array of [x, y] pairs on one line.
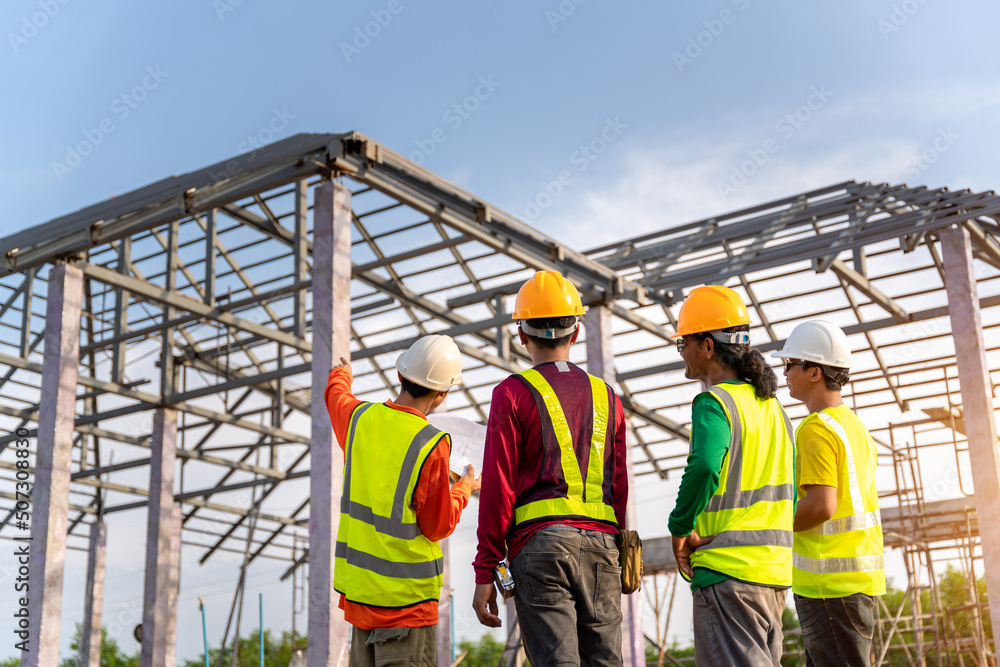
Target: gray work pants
[[568, 595], [738, 623], [394, 647]]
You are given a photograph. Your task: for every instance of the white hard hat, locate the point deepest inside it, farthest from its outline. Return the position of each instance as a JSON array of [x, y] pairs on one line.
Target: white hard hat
[[433, 362], [819, 342]]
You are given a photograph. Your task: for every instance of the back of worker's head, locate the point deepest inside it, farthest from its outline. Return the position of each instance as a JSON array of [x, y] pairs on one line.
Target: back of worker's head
[[433, 363], [719, 314], [820, 344], [548, 309]]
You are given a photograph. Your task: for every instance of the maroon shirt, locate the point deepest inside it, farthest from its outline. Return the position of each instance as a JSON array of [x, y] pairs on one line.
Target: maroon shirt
[[515, 468]]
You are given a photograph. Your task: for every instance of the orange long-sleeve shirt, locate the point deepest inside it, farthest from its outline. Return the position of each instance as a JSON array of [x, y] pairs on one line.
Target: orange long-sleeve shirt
[[438, 506]]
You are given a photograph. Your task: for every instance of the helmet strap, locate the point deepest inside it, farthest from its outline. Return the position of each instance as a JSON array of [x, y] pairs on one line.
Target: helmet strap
[[550, 334], [730, 337]]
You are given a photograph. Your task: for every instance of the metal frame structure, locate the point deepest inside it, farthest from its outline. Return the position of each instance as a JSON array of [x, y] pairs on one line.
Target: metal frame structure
[[188, 326]]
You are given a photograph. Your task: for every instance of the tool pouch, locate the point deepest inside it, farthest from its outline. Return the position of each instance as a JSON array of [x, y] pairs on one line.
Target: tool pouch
[[630, 559]]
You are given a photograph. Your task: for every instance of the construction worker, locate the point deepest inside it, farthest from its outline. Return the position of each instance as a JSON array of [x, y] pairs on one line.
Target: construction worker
[[732, 524], [837, 562], [397, 505], [554, 491]]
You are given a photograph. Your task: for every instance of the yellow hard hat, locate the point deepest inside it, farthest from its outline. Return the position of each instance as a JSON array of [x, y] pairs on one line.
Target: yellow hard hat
[[710, 308], [547, 294]]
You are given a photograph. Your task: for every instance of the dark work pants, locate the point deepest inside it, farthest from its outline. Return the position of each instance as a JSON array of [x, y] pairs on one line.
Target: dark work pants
[[568, 595], [837, 631]]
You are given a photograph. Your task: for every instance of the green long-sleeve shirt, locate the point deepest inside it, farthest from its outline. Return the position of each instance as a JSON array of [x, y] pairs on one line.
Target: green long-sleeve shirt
[[710, 437]]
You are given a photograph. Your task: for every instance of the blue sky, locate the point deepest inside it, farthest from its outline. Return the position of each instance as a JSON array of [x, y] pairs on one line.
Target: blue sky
[[638, 115]]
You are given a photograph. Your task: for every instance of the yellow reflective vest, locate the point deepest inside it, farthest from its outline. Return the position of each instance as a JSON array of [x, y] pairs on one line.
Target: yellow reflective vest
[[382, 559], [579, 494], [843, 556], [752, 512]]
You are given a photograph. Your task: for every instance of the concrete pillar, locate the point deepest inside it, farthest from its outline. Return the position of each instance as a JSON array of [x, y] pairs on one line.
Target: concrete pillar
[[977, 403], [170, 658], [329, 633], [50, 494], [160, 542], [444, 609], [601, 363], [93, 606]]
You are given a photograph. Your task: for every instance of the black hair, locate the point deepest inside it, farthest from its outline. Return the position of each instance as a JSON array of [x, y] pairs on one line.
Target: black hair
[[748, 363], [551, 323], [834, 378], [413, 389]]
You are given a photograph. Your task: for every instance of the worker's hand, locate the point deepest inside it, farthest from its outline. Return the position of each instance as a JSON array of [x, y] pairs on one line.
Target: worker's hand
[[344, 363], [470, 478], [484, 602], [684, 547]]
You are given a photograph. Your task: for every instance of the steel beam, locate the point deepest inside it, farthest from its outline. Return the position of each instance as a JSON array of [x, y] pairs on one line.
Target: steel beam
[[977, 402], [174, 299], [160, 528], [328, 631], [601, 363], [863, 285], [54, 457], [90, 634]]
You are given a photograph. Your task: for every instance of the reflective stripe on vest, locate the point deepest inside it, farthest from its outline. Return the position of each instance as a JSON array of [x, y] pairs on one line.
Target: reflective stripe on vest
[[839, 573], [381, 557], [581, 500], [752, 526]]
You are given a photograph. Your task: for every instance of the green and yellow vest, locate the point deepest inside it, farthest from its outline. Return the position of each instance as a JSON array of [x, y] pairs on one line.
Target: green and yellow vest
[[752, 512]]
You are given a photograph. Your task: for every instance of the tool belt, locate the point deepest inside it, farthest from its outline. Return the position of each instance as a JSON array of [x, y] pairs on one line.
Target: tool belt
[[630, 559]]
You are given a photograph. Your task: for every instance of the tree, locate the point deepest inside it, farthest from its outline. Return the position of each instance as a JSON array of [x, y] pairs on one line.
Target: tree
[[484, 653], [111, 654], [277, 652]]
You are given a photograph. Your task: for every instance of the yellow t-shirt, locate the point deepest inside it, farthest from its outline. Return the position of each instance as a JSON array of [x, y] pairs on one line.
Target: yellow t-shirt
[[817, 456]]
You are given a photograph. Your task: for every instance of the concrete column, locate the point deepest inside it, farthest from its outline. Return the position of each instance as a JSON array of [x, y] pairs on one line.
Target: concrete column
[[50, 494], [93, 606], [601, 363], [444, 609], [331, 337], [170, 657], [160, 541], [977, 402]]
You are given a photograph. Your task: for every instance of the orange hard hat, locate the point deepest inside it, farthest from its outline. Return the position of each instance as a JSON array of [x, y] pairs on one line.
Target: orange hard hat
[[710, 308], [547, 294]]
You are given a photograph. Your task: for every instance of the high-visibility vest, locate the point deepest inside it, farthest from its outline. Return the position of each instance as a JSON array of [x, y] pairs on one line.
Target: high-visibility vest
[[843, 556], [575, 491], [382, 559], [752, 512]]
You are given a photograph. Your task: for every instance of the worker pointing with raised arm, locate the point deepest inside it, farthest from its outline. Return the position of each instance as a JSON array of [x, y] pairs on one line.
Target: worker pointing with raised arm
[[554, 490], [732, 524], [397, 505], [838, 529]]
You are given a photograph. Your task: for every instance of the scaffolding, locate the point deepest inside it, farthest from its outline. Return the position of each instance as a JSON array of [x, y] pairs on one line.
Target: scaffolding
[[189, 325]]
